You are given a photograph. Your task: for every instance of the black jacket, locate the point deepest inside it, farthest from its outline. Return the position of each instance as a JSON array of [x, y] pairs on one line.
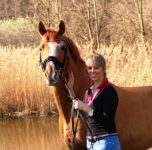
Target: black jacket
[[104, 105]]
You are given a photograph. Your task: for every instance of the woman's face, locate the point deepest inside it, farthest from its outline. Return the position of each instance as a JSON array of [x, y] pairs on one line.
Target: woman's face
[[96, 73]]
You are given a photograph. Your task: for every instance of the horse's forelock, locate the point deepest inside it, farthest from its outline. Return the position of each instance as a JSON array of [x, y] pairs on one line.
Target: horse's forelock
[[50, 35]]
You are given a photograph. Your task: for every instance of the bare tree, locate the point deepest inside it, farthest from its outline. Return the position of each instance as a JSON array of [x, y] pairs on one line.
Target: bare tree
[[139, 6], [59, 9], [88, 21]]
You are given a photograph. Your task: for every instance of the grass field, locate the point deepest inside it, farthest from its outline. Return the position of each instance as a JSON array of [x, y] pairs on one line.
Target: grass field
[[23, 90]]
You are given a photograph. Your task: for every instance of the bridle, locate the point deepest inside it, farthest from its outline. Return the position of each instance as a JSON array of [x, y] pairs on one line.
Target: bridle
[[59, 65]]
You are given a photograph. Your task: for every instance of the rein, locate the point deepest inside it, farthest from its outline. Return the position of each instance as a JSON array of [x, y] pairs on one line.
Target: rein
[[78, 114]]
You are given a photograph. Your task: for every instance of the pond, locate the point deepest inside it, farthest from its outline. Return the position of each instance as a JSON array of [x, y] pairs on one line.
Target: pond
[[30, 134]]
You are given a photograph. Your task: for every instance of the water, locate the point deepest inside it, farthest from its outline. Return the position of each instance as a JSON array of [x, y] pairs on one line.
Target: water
[[30, 134]]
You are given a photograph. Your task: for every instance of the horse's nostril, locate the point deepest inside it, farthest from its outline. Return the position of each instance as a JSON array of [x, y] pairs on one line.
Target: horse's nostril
[[55, 75]]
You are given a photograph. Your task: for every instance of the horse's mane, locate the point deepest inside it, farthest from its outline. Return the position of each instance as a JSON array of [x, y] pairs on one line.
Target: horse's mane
[[73, 51]]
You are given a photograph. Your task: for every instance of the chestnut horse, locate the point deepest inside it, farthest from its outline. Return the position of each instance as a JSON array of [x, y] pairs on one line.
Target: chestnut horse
[[58, 55], [63, 57]]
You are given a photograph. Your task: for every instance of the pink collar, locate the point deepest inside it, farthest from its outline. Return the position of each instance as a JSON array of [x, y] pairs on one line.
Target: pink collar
[[100, 88]]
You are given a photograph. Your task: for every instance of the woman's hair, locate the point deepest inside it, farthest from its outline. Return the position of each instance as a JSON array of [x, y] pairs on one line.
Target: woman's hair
[[96, 59]]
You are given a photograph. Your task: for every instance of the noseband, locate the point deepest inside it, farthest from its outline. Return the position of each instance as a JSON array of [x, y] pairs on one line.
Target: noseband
[[59, 65]]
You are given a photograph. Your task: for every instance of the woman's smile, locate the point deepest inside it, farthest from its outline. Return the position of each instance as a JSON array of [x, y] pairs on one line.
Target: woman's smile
[[96, 73]]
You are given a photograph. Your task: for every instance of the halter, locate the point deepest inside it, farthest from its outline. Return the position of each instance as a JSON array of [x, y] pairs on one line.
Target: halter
[[59, 65]]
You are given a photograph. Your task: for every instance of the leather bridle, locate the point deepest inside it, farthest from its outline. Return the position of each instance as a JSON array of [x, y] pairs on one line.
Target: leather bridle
[[59, 65]]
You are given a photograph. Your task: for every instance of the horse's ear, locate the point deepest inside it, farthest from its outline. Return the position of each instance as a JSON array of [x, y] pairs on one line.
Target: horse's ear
[[41, 28], [61, 27]]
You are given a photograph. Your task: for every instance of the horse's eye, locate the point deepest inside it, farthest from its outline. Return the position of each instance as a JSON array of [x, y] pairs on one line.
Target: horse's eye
[[63, 48]]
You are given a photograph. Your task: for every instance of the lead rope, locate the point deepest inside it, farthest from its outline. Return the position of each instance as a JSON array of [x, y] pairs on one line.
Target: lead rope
[[74, 128], [79, 114]]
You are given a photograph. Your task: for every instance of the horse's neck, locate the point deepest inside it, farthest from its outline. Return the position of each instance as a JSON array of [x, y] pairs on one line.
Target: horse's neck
[[62, 100], [81, 82], [61, 94]]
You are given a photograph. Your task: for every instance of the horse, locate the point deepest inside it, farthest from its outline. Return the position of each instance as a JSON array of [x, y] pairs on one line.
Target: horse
[[58, 56]]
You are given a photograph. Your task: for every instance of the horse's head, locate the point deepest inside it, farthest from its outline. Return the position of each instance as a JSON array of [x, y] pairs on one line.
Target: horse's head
[[53, 52]]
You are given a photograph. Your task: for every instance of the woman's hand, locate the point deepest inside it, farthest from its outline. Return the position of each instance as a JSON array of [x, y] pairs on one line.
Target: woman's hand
[[81, 106]]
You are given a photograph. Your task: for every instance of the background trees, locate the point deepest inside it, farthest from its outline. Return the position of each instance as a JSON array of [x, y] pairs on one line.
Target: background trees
[[87, 21]]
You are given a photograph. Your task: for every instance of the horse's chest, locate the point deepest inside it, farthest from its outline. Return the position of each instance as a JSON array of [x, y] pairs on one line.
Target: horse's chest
[[66, 133], [65, 130]]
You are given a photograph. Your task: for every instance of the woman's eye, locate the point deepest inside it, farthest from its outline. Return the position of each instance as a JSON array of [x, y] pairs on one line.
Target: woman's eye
[[89, 68], [96, 67]]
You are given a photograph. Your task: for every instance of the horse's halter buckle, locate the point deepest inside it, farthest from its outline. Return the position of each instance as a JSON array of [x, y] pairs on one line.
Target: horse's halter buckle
[[59, 65]]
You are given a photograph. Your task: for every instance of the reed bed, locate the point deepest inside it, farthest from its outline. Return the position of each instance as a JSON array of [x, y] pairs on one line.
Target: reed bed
[[22, 87], [23, 90], [127, 65]]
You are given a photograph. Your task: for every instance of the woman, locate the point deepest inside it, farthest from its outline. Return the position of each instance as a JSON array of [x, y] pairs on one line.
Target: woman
[[99, 106]]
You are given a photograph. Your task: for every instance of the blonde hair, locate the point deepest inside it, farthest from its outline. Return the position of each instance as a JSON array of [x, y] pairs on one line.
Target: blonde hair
[[96, 59]]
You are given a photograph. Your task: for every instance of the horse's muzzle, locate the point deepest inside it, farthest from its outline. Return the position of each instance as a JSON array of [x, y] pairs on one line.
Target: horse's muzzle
[[52, 79]]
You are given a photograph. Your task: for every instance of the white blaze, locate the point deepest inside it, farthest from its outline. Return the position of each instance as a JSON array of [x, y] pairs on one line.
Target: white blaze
[[52, 52], [52, 48]]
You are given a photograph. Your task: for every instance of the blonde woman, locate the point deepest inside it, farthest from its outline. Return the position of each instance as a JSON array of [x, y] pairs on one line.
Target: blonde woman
[[100, 106]]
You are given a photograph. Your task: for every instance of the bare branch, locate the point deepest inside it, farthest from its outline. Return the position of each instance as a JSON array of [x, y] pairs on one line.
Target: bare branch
[[89, 19], [96, 25]]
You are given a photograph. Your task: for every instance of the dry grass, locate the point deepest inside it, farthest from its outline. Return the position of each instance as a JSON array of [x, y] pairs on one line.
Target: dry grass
[[127, 65], [22, 85]]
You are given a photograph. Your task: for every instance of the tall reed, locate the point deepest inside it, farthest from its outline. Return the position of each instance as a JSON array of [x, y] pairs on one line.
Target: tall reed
[[23, 89], [127, 65], [22, 86]]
